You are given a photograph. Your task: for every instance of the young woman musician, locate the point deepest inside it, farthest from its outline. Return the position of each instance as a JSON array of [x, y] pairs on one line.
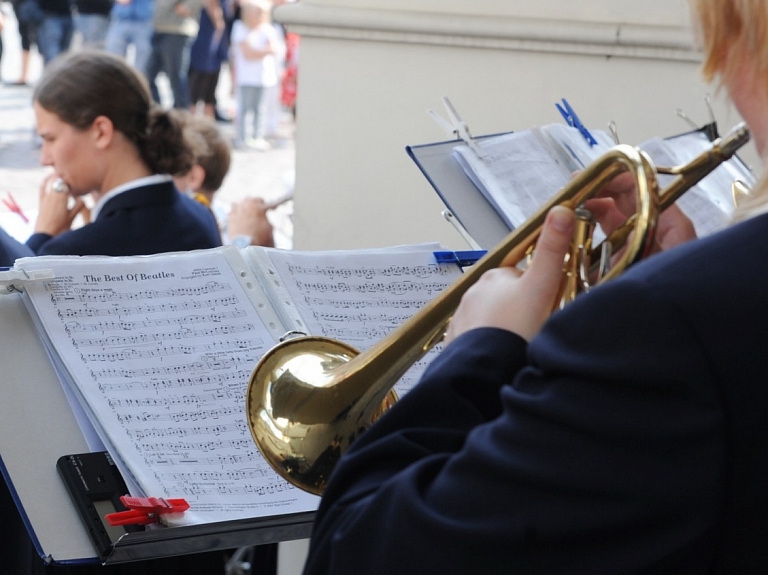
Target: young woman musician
[[626, 433], [103, 136]]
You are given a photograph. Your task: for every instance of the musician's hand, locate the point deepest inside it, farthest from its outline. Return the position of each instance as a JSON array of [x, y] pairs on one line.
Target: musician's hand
[[520, 302], [616, 202], [55, 216], [249, 218]]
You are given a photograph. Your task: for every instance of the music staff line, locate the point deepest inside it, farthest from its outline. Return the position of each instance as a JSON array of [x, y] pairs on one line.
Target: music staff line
[[218, 380], [106, 326], [239, 427], [62, 294], [122, 311], [202, 368], [196, 399], [392, 288], [201, 415], [383, 318], [132, 354], [159, 337], [333, 272], [201, 446], [160, 461], [411, 304], [194, 490], [230, 475]]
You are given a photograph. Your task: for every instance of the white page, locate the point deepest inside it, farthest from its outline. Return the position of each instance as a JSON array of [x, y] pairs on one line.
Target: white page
[[162, 348], [575, 145], [709, 204], [517, 175], [359, 298]]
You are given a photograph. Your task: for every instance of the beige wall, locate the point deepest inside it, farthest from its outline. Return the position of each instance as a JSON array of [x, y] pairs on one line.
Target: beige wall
[[661, 12], [371, 68]]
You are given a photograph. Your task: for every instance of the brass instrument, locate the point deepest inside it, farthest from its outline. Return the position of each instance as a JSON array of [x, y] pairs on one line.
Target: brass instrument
[[310, 397]]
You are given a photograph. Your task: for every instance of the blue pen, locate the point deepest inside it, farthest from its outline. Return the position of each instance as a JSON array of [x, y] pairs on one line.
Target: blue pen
[[573, 120]]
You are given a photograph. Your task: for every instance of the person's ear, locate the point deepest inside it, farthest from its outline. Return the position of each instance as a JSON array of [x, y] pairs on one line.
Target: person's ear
[[103, 131], [196, 177]]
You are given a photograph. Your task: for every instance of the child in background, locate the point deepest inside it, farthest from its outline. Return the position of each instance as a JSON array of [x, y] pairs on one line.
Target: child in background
[[211, 163], [246, 223], [253, 46]]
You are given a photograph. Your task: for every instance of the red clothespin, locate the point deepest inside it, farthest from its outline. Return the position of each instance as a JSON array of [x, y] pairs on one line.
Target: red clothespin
[[11, 204], [145, 510]]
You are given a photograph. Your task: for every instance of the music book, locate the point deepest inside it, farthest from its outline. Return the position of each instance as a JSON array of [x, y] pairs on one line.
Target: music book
[[520, 171], [155, 353]]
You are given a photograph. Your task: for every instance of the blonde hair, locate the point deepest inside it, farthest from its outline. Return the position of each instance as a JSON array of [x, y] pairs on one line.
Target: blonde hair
[[730, 31], [263, 6]]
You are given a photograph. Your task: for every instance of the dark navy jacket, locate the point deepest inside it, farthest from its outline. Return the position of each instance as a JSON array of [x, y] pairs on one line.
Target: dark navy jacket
[[630, 436], [11, 249], [145, 220]]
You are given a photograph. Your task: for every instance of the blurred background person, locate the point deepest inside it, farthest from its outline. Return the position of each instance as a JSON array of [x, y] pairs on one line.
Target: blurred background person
[[175, 25], [130, 25], [248, 224], [92, 22], [209, 51], [253, 48], [29, 17], [244, 223], [271, 101], [54, 36]]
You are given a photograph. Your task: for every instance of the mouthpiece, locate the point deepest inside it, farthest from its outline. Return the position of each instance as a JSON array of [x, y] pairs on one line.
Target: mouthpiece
[[734, 140], [60, 186]]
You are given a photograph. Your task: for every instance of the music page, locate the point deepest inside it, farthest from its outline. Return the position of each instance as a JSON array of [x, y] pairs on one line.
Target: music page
[[359, 297], [710, 203], [160, 350], [517, 175]]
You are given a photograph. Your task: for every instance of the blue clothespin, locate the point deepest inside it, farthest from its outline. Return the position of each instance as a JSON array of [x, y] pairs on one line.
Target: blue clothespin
[[462, 258], [573, 120]]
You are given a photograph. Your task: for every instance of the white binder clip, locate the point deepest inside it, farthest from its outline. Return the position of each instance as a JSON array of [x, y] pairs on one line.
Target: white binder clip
[[456, 126], [15, 280]]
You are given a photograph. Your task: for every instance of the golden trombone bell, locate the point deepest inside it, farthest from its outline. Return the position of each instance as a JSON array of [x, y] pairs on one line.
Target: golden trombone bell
[[310, 397]]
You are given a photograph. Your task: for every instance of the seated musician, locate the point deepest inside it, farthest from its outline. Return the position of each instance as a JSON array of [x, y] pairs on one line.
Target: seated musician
[[103, 135], [246, 223], [626, 433]]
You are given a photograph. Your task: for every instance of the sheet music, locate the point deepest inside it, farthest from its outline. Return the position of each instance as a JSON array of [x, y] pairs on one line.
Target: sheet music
[[522, 170], [709, 204], [572, 142], [359, 298], [162, 348], [517, 175]]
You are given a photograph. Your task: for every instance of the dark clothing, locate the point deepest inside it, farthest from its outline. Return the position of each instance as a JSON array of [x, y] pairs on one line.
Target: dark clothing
[[202, 86], [54, 35], [11, 249], [146, 220], [56, 7], [27, 32], [100, 7], [208, 52], [629, 436]]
